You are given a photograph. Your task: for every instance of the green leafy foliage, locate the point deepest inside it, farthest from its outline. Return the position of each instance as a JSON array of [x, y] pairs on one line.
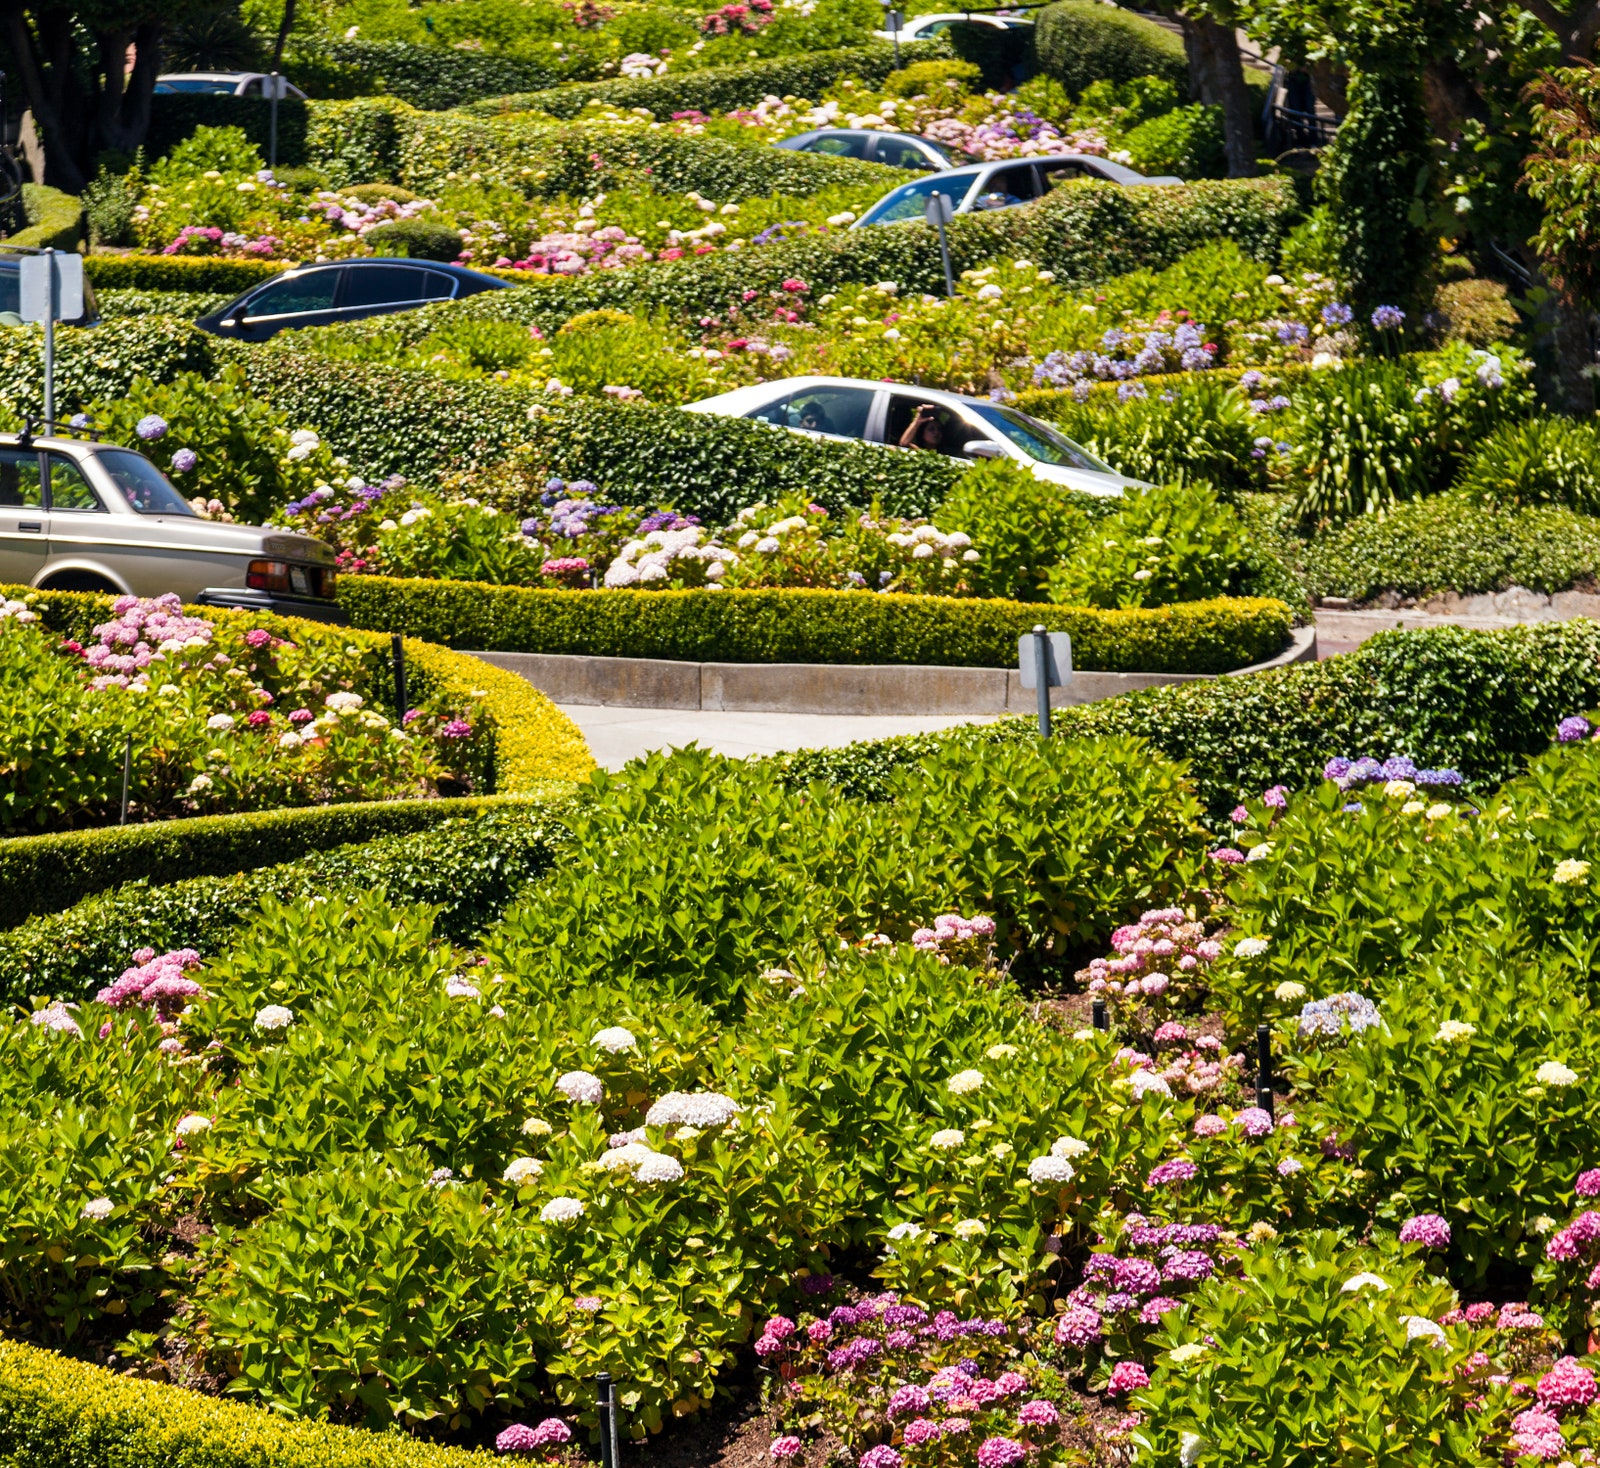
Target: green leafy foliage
[[1186, 141], [1079, 42], [1543, 461]]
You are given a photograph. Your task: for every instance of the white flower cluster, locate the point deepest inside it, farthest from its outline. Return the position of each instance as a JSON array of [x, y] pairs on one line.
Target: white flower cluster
[[700, 1109], [581, 1088], [650, 559], [456, 987], [561, 1210], [522, 1170], [274, 1017], [615, 1039], [302, 444], [1050, 1170], [964, 1082]]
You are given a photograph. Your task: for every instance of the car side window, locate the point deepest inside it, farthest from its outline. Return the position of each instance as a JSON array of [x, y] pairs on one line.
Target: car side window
[[437, 286], [898, 153], [839, 411], [948, 435], [310, 292], [1019, 182], [838, 147], [383, 285], [19, 479], [1060, 173], [69, 490], [776, 412]]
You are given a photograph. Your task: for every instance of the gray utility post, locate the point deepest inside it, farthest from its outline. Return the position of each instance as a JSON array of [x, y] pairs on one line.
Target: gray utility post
[[51, 289], [277, 88], [940, 210], [892, 21], [1045, 662]]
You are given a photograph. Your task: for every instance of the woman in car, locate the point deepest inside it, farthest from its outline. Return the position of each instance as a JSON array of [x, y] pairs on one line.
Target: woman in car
[[924, 431]]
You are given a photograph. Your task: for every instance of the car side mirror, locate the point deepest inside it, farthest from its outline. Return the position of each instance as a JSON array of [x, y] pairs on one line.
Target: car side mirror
[[982, 448]]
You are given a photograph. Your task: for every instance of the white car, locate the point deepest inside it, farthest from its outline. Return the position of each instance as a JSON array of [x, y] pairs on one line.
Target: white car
[[1000, 185], [220, 84], [848, 409], [920, 27], [77, 515]]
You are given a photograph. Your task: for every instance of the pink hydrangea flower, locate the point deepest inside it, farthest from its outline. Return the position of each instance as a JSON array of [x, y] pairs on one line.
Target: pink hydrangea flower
[[1127, 1376], [1588, 1185], [1536, 1435], [881, 1456], [784, 1448], [1038, 1413], [1078, 1327], [999, 1452], [1427, 1229], [1567, 1384], [919, 1432]]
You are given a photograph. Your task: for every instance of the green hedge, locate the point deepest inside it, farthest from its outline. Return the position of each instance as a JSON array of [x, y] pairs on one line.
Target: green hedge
[[431, 77], [101, 361], [175, 115], [59, 1413], [43, 874], [160, 303], [178, 273], [814, 626], [720, 88], [1475, 701], [471, 866], [1449, 542], [54, 219], [1083, 41], [378, 138]]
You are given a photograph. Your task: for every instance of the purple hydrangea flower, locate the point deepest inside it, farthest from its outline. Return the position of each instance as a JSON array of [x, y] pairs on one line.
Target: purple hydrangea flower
[[1427, 1229], [1571, 728], [184, 460], [151, 427]]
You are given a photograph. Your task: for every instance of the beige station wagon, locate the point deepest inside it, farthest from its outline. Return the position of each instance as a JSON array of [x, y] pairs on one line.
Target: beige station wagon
[[77, 515]]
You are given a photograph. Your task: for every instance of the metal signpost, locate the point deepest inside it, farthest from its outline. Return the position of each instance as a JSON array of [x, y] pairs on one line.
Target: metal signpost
[[277, 88], [939, 212], [892, 21], [51, 288], [1045, 661]]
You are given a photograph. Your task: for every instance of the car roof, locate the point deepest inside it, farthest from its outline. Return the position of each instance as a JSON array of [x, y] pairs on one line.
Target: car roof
[[759, 391], [209, 76], [449, 268]]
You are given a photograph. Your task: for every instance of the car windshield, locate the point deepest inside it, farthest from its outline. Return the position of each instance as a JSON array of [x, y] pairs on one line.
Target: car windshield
[[195, 84], [144, 486], [954, 156], [909, 201], [1039, 440]]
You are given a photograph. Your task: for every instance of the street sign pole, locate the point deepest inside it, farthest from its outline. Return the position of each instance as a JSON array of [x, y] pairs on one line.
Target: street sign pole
[[52, 298], [1045, 661], [50, 287], [274, 87], [939, 211]]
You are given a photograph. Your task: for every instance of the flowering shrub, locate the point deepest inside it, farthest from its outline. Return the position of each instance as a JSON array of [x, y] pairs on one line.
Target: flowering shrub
[[224, 715]]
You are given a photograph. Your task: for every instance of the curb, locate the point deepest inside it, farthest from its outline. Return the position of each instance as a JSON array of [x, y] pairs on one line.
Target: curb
[[831, 688]]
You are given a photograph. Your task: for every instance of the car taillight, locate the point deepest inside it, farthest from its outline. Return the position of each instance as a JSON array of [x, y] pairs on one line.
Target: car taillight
[[267, 576], [325, 579]]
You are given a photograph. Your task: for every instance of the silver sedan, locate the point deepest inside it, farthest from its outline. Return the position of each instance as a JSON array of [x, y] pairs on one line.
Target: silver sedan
[[76, 515]]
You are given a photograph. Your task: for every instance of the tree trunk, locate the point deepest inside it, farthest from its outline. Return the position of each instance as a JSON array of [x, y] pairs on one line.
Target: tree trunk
[[284, 27], [1574, 355], [125, 101], [1216, 74], [52, 96]]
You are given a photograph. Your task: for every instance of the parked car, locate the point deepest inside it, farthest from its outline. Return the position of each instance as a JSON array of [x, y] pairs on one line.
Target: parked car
[[921, 27], [343, 290], [1000, 185], [76, 515], [11, 290], [219, 83], [898, 150], [854, 410]]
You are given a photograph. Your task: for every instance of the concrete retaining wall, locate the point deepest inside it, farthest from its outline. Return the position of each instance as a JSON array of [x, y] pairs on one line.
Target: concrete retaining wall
[[828, 688]]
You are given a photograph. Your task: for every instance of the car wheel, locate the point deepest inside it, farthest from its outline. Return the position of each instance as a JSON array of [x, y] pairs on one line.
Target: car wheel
[[79, 581]]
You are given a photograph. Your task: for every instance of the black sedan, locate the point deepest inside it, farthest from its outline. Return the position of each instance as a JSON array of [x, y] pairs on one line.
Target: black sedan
[[342, 290]]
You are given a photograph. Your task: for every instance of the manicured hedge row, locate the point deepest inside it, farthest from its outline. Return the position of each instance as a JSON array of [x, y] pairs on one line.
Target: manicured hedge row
[[534, 742], [471, 867], [1083, 41], [101, 361], [431, 77], [59, 1413], [54, 219], [178, 273], [720, 88], [1476, 701], [175, 115], [44, 874], [379, 138], [814, 626]]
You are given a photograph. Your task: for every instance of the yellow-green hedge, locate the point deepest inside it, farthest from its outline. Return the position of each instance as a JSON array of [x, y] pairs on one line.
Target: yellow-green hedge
[[53, 219], [179, 272], [793, 626], [60, 1413]]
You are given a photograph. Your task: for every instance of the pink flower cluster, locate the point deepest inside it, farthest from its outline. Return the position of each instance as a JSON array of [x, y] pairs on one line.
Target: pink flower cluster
[[1576, 1239], [1127, 1376], [775, 1336], [1427, 1229], [955, 937], [1163, 947], [1536, 1434], [519, 1438], [563, 253], [139, 622], [1178, 1170], [155, 982], [1567, 1384]]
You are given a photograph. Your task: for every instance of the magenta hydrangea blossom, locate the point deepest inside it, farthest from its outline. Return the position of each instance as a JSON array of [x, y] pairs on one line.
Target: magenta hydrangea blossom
[[1038, 1413], [919, 1432], [784, 1448], [999, 1452], [1178, 1170], [1427, 1229], [1127, 1376], [910, 1400], [1588, 1185], [1536, 1434], [1253, 1121], [1154, 1309], [881, 1456], [1079, 1327], [520, 1438], [1567, 1384]]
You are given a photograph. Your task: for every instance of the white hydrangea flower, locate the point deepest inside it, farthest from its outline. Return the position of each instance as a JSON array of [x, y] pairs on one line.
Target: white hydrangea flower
[[274, 1017], [581, 1088], [536, 1126], [561, 1210], [693, 1108], [1420, 1328], [626, 1157], [193, 1124], [1397, 789], [1453, 1032], [97, 1210], [1069, 1147], [964, 1082], [1000, 1052], [1147, 1082], [1554, 1073], [615, 1039], [1439, 810], [903, 1231], [1189, 1443], [659, 1168], [971, 1228], [343, 702], [1570, 872], [947, 1140], [456, 987], [1288, 991], [1259, 853], [522, 1170], [1188, 1351], [1050, 1170], [1413, 808], [1358, 1282], [220, 721], [1250, 947]]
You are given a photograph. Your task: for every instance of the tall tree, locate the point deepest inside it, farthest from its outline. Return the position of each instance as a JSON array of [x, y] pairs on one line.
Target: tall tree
[[1216, 76], [72, 62]]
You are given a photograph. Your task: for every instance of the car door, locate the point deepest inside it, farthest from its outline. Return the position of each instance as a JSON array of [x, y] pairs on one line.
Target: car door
[[899, 153], [294, 300], [23, 542], [375, 290], [838, 145], [839, 414]]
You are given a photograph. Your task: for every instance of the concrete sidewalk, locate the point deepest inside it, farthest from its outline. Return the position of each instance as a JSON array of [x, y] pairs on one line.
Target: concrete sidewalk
[[617, 735]]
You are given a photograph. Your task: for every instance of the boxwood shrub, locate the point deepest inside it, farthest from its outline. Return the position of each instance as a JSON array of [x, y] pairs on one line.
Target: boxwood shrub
[[790, 626], [54, 219], [1479, 702], [1083, 41], [431, 77], [44, 874], [470, 865], [719, 88], [178, 273]]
